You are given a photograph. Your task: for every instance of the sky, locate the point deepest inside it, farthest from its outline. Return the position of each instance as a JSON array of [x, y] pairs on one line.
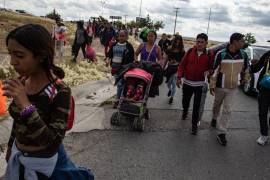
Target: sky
[[227, 16]]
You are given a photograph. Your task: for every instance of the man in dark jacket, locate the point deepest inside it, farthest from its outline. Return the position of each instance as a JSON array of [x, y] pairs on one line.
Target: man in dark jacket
[[108, 36], [164, 43], [121, 53], [194, 66], [80, 41], [264, 94]]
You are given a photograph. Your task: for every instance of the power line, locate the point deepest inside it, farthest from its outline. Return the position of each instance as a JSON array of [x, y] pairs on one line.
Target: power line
[[125, 19], [103, 2], [202, 13], [140, 14]]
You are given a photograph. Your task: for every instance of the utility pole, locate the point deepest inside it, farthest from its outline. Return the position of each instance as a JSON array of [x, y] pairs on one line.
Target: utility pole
[[103, 2], [125, 19], [4, 4], [176, 14], [209, 18], [140, 14]]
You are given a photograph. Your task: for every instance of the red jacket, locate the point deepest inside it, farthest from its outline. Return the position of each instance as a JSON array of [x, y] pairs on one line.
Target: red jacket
[[193, 67]]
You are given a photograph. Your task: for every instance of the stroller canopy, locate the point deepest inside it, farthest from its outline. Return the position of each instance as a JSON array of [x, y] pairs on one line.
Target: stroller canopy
[[139, 73]]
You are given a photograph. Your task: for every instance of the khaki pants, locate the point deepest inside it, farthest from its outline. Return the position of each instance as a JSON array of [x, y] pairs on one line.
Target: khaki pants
[[225, 97], [59, 48]]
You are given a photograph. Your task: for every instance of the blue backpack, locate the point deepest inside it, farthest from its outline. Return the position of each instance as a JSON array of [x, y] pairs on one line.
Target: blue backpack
[[265, 82]]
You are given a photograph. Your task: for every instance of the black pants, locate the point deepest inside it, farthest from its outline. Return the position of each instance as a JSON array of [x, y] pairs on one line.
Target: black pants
[[77, 48], [264, 105], [90, 39], [188, 91]]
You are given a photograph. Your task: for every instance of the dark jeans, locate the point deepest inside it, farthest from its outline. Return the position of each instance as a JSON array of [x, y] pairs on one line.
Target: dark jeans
[[120, 87], [188, 91], [65, 169], [264, 105], [77, 49]]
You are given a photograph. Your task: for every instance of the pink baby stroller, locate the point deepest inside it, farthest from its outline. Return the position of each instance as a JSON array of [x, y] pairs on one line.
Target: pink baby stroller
[[133, 100]]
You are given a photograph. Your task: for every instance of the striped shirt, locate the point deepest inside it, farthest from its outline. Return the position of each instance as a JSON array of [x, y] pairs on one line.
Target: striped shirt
[[118, 52]]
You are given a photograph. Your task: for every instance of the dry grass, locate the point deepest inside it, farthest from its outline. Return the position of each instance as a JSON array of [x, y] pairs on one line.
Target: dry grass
[[76, 74], [82, 72], [11, 20]]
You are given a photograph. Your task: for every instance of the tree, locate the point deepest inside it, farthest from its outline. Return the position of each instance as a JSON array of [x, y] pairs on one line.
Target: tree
[[143, 22], [102, 19], [118, 24], [54, 15], [132, 24], [159, 25], [148, 22], [250, 38]]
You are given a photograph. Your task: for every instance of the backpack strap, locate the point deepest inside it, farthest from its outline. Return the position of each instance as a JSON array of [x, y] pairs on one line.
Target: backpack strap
[[71, 114], [243, 54], [267, 71], [223, 54], [209, 54], [148, 57]]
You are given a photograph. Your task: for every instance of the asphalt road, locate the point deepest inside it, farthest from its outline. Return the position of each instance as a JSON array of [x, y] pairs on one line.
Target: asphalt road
[[167, 150]]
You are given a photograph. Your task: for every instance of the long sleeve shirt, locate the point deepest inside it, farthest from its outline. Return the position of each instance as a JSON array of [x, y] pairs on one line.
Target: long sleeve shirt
[[46, 127], [227, 67], [193, 67]]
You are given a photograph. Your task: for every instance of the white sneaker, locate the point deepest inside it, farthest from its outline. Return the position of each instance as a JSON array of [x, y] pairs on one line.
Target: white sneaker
[[262, 140]]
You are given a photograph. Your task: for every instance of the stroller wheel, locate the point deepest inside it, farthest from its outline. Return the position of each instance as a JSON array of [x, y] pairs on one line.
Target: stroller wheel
[[115, 119], [147, 115], [139, 124]]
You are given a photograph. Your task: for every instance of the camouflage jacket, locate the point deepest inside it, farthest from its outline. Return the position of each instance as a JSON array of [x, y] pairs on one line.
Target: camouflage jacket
[[45, 127]]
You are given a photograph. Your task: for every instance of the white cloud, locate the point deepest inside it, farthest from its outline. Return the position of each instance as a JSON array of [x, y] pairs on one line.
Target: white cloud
[[227, 16]]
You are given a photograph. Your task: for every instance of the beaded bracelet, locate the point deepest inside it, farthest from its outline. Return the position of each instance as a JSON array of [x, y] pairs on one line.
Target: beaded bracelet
[[27, 111]]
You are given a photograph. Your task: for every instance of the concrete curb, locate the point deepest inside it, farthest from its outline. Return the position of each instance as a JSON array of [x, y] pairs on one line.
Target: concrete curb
[[88, 113]]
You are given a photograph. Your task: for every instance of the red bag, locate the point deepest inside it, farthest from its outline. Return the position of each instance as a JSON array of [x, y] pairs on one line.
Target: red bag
[[71, 115], [90, 52]]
